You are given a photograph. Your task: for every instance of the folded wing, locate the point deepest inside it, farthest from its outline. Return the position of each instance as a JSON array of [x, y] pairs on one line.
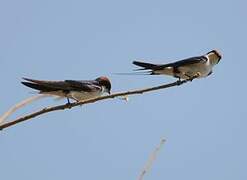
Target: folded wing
[[67, 85], [184, 62]]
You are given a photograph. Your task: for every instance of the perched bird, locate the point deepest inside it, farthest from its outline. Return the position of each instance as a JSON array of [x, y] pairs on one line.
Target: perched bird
[[188, 69], [71, 89]]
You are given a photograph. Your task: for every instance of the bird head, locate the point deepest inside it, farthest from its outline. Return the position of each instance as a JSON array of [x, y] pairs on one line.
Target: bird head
[[105, 82], [214, 56]]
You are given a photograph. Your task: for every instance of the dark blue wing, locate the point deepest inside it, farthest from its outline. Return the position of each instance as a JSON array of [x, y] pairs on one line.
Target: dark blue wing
[[87, 86], [184, 62], [67, 85]]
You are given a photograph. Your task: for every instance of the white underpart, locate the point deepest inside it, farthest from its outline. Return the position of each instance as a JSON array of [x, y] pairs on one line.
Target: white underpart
[[76, 95], [201, 69], [167, 71]]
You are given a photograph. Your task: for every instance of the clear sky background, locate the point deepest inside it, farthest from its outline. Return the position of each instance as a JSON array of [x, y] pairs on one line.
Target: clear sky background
[[204, 122]]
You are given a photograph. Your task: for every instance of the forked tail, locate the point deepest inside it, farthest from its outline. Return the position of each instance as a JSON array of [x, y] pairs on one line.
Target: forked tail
[[144, 65]]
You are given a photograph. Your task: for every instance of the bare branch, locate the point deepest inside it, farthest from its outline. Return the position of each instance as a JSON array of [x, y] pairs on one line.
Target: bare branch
[[20, 105], [151, 160], [68, 106]]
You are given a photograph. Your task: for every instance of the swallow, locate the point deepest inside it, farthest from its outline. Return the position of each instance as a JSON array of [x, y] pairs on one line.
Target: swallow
[[187, 69], [71, 89]]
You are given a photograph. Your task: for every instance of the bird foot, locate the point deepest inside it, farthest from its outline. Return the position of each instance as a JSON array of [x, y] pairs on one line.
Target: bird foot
[[69, 103], [179, 82], [191, 78]]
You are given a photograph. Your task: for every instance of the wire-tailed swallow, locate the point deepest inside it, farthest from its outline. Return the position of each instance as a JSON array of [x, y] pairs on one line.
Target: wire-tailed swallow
[[71, 89], [190, 68]]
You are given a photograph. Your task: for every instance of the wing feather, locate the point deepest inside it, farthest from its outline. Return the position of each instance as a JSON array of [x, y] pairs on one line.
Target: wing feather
[[67, 85], [184, 62]]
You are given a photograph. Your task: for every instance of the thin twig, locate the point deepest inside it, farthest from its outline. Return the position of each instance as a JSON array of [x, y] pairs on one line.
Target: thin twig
[[151, 160], [68, 106], [20, 105]]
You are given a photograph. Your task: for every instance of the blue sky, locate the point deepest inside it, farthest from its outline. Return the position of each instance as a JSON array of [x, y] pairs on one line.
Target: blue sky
[[204, 122]]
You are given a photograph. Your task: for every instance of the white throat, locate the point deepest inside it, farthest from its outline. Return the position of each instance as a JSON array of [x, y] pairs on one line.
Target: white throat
[[212, 58]]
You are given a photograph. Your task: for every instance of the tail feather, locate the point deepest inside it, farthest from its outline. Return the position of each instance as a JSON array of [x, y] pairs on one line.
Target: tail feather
[[39, 87], [134, 73], [37, 81], [144, 65]]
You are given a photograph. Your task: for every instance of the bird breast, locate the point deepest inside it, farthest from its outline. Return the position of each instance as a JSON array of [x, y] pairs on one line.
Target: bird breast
[[82, 95], [202, 68]]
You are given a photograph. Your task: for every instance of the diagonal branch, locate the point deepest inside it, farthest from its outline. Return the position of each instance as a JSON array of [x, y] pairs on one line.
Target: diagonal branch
[[20, 105], [68, 106], [151, 160]]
